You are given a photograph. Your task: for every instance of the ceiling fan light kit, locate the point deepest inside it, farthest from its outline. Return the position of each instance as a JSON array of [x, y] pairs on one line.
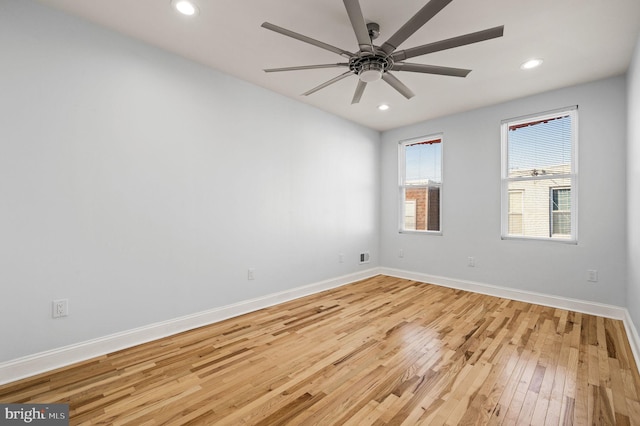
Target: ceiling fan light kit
[[371, 71], [371, 62]]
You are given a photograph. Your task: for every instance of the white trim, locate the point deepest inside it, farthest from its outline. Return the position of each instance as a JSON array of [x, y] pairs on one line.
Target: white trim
[[586, 307], [60, 357], [633, 336], [542, 239]]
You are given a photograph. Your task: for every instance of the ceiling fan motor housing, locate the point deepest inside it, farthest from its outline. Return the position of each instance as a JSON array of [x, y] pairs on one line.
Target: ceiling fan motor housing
[[370, 67]]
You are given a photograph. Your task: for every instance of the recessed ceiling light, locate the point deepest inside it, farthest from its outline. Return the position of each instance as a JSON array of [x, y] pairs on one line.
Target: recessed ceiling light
[[185, 7], [383, 107], [531, 63]]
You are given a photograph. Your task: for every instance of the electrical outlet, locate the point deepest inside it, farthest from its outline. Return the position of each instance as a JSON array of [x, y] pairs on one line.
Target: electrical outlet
[[60, 308], [592, 275], [341, 257], [251, 274], [401, 253], [471, 262], [365, 257]]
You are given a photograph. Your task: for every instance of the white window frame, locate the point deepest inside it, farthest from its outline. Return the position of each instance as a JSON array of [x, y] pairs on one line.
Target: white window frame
[[573, 175], [402, 185]]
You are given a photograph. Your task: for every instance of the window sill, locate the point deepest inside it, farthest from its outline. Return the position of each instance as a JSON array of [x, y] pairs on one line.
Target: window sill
[[552, 240], [404, 231]]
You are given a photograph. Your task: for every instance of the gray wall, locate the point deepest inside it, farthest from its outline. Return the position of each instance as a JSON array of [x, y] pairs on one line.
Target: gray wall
[[633, 190], [141, 186], [471, 201]]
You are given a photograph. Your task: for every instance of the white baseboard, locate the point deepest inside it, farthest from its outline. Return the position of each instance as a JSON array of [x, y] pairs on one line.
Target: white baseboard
[[45, 361], [593, 308], [634, 337], [583, 306], [60, 357]]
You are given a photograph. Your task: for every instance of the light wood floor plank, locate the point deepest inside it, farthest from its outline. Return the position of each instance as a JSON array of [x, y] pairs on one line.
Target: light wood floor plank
[[382, 351]]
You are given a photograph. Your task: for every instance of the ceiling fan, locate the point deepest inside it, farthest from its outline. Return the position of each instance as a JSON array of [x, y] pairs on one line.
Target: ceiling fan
[[371, 62]]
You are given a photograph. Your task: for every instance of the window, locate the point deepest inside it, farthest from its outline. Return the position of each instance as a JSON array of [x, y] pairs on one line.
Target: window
[[539, 174], [420, 184]]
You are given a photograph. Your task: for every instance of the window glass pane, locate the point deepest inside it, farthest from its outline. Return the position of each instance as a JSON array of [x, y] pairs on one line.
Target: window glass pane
[[422, 163], [420, 183], [539, 148], [422, 209], [538, 214]]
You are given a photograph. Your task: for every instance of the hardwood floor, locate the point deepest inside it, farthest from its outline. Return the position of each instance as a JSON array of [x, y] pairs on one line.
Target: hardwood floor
[[380, 351]]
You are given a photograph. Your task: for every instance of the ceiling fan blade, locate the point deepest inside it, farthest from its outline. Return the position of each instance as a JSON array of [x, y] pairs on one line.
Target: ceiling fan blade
[[327, 83], [449, 43], [306, 39], [429, 10], [359, 25], [359, 91], [398, 85], [307, 67], [430, 69]]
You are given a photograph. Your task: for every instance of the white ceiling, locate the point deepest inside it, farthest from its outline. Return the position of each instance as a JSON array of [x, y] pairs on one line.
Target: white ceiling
[[580, 41]]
